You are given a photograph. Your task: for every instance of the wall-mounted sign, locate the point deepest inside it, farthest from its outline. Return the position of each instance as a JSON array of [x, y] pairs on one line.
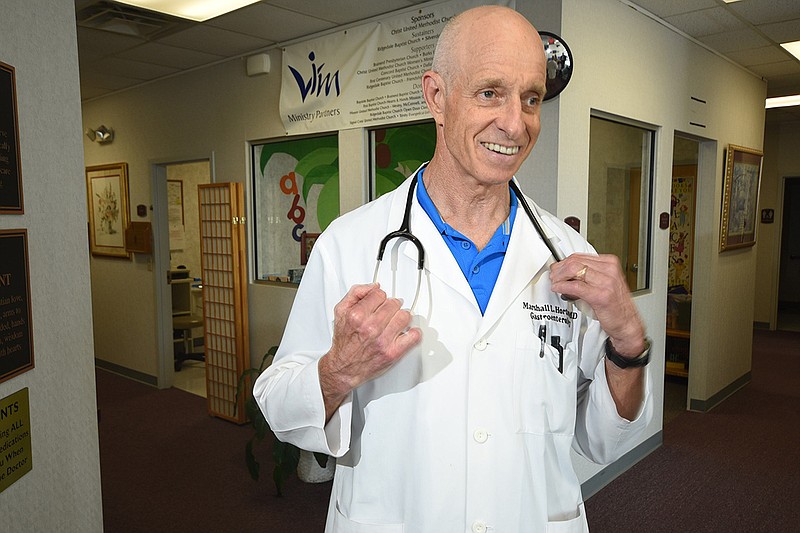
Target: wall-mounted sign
[[366, 75], [16, 340], [15, 438], [10, 168], [767, 216]]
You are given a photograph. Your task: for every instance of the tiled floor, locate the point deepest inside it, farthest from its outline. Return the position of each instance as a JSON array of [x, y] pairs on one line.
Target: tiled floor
[[191, 378]]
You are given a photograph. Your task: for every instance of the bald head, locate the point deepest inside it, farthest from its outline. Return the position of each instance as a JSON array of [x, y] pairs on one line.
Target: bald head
[[461, 35], [484, 92]]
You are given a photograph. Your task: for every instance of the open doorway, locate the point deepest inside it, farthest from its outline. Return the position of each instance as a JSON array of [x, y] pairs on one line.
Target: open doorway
[[685, 159], [789, 273], [177, 220]]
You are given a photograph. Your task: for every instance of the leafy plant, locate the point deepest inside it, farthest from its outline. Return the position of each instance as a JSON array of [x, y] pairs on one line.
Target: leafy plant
[[399, 151], [286, 456]]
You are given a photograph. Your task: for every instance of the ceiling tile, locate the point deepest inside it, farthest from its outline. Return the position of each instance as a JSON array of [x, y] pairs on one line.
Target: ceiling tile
[[774, 70], [767, 11], [734, 40], [272, 23], [706, 21], [94, 44], [169, 56], [343, 12], [213, 40], [755, 56], [784, 85], [132, 69], [782, 32], [110, 61], [109, 82], [674, 7]]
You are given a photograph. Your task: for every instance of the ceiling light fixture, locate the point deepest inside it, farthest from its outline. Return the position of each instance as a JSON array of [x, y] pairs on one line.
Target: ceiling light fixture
[[793, 48], [783, 101], [197, 10]]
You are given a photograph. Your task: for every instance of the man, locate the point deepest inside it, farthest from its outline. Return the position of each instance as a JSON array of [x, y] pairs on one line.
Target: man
[[460, 415]]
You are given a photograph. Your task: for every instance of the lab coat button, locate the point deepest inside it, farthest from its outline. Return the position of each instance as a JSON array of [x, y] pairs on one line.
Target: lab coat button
[[479, 526], [480, 435], [481, 345]]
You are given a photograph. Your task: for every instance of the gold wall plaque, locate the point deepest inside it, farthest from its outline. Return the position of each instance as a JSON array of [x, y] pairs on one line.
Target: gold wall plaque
[[15, 438]]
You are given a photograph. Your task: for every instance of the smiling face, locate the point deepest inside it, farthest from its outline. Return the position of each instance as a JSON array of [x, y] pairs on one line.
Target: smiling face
[[486, 99]]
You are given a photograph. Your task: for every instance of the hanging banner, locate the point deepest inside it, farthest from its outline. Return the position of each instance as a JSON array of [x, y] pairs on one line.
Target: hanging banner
[[366, 75]]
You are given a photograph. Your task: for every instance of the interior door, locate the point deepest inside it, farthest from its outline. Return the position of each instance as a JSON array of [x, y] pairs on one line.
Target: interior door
[[634, 214], [224, 267]]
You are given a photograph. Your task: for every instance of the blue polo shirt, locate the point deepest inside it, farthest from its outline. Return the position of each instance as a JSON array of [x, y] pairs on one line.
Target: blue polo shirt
[[481, 268]]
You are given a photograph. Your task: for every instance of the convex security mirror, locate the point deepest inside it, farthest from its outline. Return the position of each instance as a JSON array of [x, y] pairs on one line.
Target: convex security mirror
[[559, 63]]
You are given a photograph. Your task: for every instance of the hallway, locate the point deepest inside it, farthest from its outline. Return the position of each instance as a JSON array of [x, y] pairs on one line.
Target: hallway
[[167, 465]]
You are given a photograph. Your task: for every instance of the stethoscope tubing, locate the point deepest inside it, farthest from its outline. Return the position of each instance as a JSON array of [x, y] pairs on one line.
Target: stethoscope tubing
[[404, 232]]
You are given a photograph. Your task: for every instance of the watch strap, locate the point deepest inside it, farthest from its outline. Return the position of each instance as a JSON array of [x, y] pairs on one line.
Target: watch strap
[[628, 362]]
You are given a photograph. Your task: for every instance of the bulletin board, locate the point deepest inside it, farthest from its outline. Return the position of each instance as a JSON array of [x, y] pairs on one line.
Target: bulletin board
[[681, 232], [296, 191]]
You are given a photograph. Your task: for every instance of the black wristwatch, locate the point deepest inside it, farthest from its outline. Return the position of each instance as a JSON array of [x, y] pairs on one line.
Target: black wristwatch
[[626, 362]]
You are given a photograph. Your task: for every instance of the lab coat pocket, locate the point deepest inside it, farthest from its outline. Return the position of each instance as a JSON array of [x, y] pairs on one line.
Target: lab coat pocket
[[574, 525], [544, 387], [342, 524]]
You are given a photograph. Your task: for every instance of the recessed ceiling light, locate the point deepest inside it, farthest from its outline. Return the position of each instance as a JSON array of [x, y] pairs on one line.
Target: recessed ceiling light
[[783, 101], [793, 48], [197, 10]]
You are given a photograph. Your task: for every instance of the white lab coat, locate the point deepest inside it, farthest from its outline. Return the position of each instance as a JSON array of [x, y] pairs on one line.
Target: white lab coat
[[472, 429]]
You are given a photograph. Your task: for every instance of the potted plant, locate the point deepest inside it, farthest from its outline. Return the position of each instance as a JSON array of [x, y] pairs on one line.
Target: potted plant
[[287, 456]]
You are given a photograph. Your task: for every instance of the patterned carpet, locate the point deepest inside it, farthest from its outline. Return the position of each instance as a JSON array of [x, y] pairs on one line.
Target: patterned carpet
[[168, 466]]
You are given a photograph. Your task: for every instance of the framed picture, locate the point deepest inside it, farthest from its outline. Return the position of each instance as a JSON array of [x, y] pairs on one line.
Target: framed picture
[[107, 195], [11, 202], [307, 241], [740, 198], [16, 341]]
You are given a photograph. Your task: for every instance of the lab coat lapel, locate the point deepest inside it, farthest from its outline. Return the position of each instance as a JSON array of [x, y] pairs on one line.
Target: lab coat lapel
[[439, 261], [526, 257]]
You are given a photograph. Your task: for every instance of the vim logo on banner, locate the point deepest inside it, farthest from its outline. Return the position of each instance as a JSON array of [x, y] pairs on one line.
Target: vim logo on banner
[[318, 80]]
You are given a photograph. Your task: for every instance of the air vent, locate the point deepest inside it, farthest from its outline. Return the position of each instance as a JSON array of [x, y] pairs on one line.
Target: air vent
[[127, 20]]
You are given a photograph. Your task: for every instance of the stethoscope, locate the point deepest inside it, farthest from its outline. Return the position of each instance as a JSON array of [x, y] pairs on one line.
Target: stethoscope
[[404, 232]]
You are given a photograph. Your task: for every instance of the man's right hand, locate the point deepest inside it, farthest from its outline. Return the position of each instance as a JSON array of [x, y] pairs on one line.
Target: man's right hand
[[370, 334]]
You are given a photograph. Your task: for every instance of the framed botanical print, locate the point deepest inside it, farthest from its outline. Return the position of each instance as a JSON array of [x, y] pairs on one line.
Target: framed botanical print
[[109, 215]]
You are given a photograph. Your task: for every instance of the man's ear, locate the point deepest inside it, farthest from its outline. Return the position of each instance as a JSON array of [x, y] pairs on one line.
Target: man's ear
[[433, 90]]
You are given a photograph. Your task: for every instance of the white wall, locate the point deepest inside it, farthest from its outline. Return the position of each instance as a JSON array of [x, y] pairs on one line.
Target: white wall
[[781, 160], [191, 175], [213, 111], [62, 492], [631, 66], [625, 64]]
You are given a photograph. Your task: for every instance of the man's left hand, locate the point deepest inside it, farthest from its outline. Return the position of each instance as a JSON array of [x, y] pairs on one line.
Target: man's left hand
[[599, 281]]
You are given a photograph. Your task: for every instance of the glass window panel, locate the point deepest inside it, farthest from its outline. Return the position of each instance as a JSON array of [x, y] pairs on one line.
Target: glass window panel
[[295, 192], [398, 151], [620, 177]]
